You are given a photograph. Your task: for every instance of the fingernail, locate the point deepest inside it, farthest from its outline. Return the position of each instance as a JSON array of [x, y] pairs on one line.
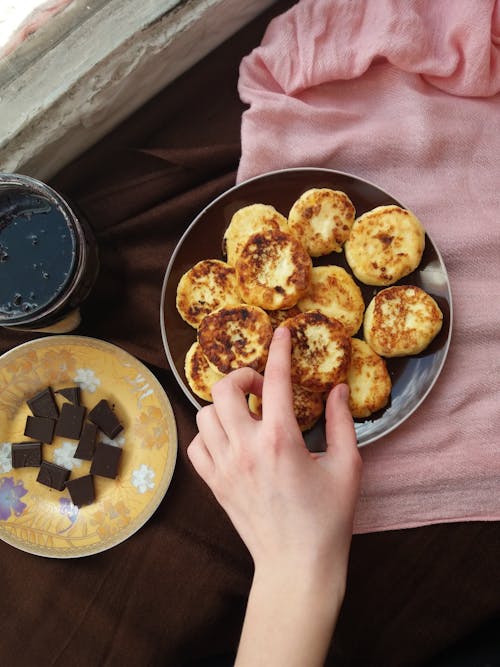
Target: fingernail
[[343, 391], [280, 332]]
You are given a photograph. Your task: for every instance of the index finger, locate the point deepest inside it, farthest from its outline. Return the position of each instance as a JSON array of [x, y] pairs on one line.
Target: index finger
[[277, 397]]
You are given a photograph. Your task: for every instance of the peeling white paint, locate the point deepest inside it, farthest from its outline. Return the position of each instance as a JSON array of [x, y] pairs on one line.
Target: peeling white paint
[[102, 71]]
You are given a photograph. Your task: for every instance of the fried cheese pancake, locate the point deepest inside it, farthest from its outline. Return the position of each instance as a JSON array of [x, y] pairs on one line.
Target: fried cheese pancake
[[247, 221], [208, 285], [277, 317], [234, 337], [322, 219], [308, 406], [335, 294], [273, 270], [385, 244], [200, 375], [368, 379], [401, 320], [321, 351]]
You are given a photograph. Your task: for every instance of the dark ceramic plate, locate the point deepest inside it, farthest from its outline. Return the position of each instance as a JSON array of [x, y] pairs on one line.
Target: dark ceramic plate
[[412, 377]]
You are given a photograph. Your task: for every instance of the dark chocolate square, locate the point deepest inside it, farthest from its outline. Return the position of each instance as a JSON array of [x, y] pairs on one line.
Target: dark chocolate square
[[26, 454], [106, 460], [40, 428], [53, 475], [70, 422], [71, 393], [104, 417], [86, 446], [44, 404], [81, 490]]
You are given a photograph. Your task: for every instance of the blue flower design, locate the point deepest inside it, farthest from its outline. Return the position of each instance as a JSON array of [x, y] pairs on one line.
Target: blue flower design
[[10, 494]]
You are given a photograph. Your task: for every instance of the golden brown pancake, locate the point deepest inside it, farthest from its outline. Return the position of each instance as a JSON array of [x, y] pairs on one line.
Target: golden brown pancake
[[208, 285], [322, 219], [273, 270], [321, 351], [200, 375], [385, 245], [308, 406], [368, 379], [247, 221], [234, 337], [335, 294], [277, 317], [401, 320]]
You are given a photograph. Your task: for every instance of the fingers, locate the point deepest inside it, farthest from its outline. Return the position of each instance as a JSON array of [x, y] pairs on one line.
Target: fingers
[[277, 399], [200, 458], [230, 401], [340, 433], [209, 426]]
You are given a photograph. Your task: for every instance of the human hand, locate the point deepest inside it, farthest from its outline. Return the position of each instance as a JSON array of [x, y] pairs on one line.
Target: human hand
[[294, 510], [287, 504]]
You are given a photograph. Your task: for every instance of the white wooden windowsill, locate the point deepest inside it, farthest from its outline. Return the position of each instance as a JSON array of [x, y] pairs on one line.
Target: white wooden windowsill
[[101, 66]]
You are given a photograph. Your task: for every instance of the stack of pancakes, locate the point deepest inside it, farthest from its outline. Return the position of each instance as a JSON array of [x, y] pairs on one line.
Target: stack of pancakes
[[268, 280]]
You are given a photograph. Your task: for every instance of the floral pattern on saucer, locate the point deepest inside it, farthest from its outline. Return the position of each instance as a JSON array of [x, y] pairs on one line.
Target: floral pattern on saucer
[[11, 493], [44, 521]]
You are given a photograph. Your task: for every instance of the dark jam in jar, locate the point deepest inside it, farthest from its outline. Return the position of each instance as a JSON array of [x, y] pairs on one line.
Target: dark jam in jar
[[48, 257]]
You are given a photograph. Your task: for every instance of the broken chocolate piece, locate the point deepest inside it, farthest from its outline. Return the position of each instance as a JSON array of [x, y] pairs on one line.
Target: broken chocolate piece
[[81, 490], [106, 460], [53, 475], [44, 404], [26, 454], [86, 446], [71, 393], [40, 428], [70, 422], [104, 417]]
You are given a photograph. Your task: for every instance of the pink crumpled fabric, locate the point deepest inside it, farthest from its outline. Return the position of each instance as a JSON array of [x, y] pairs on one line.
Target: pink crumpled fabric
[[405, 93], [33, 22]]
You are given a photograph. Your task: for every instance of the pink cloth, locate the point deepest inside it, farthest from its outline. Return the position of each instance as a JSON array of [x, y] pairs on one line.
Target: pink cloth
[[32, 23], [405, 94]]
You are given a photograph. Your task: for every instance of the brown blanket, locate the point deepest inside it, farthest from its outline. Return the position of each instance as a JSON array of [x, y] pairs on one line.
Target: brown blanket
[[174, 593]]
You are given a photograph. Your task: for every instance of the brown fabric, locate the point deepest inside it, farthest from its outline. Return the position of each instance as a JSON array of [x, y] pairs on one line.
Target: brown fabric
[[175, 592]]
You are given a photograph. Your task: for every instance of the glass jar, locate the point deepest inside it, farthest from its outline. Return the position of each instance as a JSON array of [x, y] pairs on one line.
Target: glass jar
[[48, 257]]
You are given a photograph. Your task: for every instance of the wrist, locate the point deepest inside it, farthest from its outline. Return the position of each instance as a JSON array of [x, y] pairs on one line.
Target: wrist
[[318, 586], [290, 617]]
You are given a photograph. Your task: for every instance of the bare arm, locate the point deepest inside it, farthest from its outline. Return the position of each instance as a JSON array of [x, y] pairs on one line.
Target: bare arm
[[293, 510]]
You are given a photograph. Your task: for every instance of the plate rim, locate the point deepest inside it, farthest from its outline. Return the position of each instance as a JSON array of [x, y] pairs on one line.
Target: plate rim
[[118, 538], [333, 172]]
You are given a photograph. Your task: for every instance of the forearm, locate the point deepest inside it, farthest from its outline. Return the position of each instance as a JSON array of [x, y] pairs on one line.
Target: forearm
[[293, 511], [290, 618]]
